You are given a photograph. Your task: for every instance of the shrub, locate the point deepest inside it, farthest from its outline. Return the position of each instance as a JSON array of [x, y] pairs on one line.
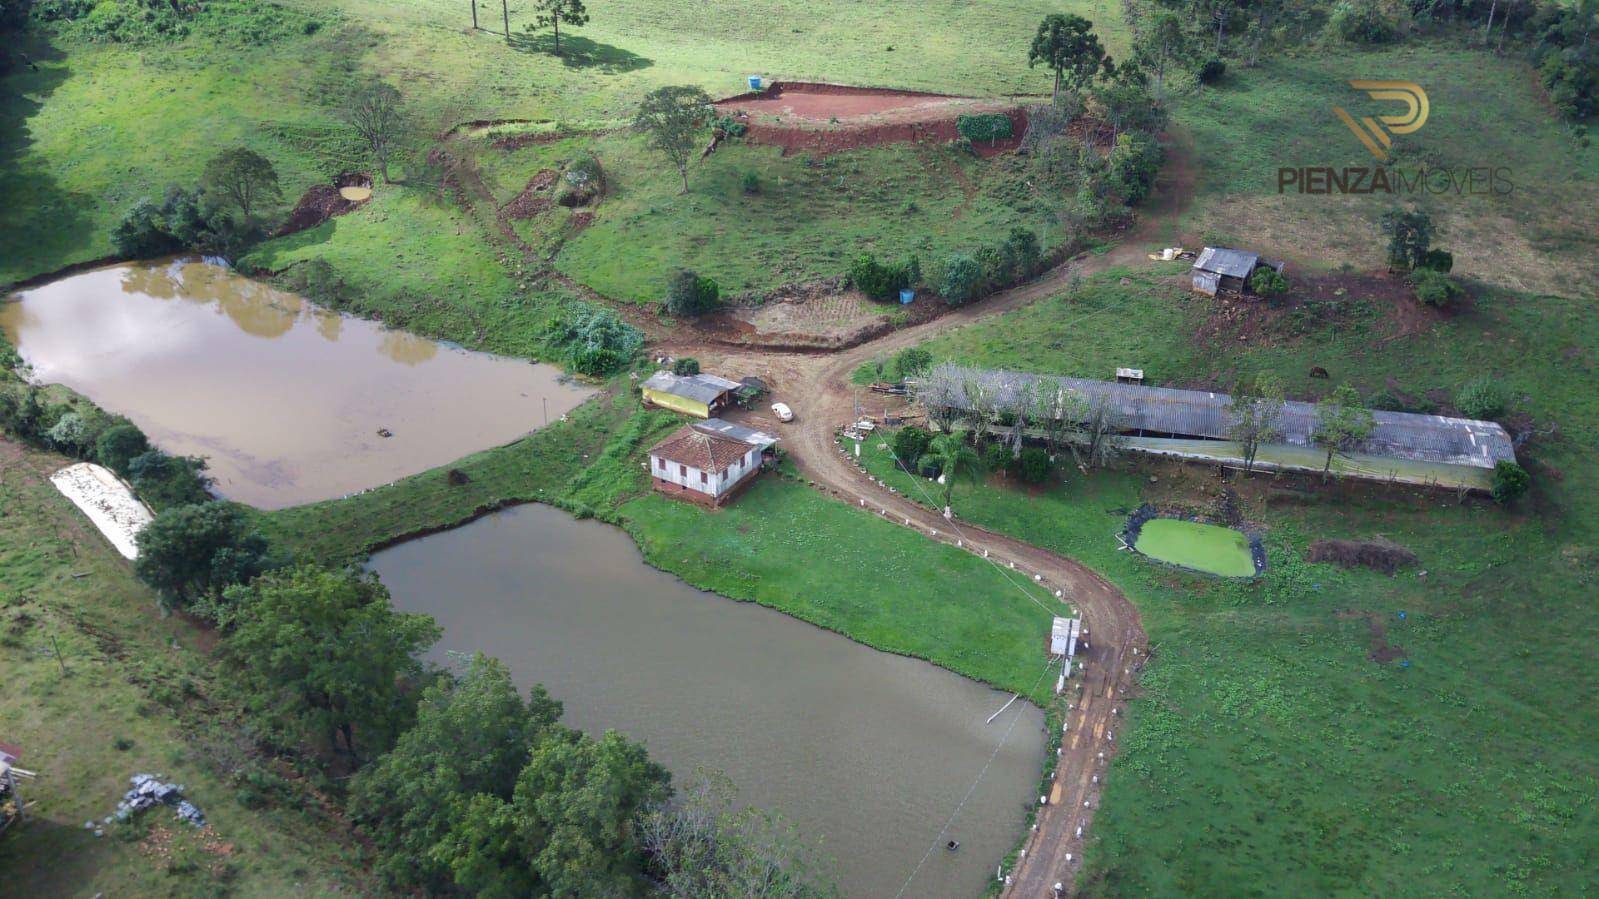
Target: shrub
[[143, 232], [962, 280], [912, 361], [1268, 282], [1022, 252], [118, 445], [689, 295], [996, 456], [927, 466], [988, 127], [686, 367], [1434, 287], [1133, 165], [883, 282], [1510, 481], [1211, 71], [1366, 21], [751, 182], [1438, 260], [1033, 465], [165, 481], [1481, 398], [68, 434], [593, 340], [911, 443]]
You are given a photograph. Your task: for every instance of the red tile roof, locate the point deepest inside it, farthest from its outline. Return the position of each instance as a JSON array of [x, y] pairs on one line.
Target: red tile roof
[[707, 452]]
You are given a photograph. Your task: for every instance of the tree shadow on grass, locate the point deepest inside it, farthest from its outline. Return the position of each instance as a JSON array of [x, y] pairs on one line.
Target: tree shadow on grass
[[42, 222], [582, 53]]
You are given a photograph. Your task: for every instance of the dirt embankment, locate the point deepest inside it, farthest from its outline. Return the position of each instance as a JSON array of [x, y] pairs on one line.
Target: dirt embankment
[[829, 118], [325, 201]]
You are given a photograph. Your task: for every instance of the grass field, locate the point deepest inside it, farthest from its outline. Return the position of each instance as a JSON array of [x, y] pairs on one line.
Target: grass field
[[1486, 112], [130, 693], [1202, 547], [100, 126]]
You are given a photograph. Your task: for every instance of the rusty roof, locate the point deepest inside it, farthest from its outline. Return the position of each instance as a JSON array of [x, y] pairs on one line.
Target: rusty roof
[[707, 452]]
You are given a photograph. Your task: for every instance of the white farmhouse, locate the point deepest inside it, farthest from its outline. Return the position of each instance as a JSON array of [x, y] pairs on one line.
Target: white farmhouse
[[707, 463]]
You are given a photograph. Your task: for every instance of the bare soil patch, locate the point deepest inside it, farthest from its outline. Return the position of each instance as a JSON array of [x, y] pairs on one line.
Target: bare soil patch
[[1382, 652], [534, 199], [1236, 321], [324, 201], [828, 118], [1378, 555]]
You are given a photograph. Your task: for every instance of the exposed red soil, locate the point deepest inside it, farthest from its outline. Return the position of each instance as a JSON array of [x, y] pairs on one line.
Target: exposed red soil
[[1382, 652], [1251, 320], [517, 141], [828, 118], [323, 201], [534, 199]]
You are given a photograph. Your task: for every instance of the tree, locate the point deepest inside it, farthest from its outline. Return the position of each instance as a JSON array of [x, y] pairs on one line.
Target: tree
[[1096, 434], [472, 735], [1254, 414], [319, 652], [1341, 424], [1409, 238], [243, 176], [377, 115], [685, 367], [912, 361], [1160, 41], [963, 279], [955, 460], [672, 118], [689, 295], [909, 444], [1067, 46], [192, 553], [552, 13], [569, 829], [165, 481], [1268, 282], [702, 848], [117, 446]]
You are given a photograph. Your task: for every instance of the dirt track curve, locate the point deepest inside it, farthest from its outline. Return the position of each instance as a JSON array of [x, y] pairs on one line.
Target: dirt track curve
[[818, 387]]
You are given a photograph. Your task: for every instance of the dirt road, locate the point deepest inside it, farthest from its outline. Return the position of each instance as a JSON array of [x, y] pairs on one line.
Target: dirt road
[[818, 387]]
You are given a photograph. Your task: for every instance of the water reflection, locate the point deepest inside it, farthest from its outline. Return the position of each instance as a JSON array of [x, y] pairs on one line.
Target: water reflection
[[286, 399]]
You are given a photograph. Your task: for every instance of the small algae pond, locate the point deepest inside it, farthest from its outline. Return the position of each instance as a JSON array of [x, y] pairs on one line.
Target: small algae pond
[[290, 403], [1202, 547], [866, 751]]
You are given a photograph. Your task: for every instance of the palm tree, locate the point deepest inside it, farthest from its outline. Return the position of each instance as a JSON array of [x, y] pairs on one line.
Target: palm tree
[[955, 459]]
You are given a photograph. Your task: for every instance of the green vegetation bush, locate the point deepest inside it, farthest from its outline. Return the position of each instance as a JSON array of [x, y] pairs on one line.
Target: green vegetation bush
[[1438, 261], [883, 282], [1033, 466], [686, 367], [240, 23], [1368, 21], [910, 444], [1268, 282], [1133, 165], [988, 127], [1434, 287], [1211, 71], [165, 482], [190, 554], [1510, 481], [184, 220], [118, 446], [1481, 398], [996, 456], [689, 295], [912, 361], [751, 182], [592, 340], [962, 279]]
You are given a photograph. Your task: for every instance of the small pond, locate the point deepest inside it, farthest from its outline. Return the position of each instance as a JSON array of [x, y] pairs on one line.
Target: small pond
[[1202, 547], [288, 401], [869, 751]]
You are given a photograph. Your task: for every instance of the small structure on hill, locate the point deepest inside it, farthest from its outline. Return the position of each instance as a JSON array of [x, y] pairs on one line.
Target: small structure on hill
[[708, 462], [1220, 269], [702, 395], [12, 807]]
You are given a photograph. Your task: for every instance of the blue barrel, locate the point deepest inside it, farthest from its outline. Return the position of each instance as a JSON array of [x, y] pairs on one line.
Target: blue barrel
[[906, 294], [755, 82]]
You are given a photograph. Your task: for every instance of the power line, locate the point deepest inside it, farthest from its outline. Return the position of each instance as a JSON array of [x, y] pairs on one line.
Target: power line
[[971, 789]]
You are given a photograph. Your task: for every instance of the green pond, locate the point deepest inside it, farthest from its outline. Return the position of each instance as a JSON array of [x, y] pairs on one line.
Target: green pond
[[1202, 547]]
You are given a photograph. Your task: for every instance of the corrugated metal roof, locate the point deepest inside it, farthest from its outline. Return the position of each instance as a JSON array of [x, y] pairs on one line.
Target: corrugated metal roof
[[1229, 262], [700, 388], [736, 431], [1197, 413]]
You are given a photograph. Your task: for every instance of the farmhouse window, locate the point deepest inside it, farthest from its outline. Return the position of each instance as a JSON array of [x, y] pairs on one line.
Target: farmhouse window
[[702, 477], [682, 471]]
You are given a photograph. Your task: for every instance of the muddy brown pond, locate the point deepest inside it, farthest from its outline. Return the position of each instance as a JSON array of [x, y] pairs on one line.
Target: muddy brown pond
[[286, 400], [867, 751]]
